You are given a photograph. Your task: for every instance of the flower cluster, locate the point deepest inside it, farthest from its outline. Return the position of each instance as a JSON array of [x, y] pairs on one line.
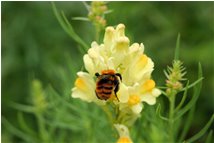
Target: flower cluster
[[135, 67]]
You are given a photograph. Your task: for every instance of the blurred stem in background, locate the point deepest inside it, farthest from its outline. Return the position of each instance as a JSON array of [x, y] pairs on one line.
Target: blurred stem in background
[[97, 11]]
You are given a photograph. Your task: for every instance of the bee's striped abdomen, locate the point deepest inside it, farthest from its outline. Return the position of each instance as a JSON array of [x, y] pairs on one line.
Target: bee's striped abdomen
[[107, 84], [104, 90]]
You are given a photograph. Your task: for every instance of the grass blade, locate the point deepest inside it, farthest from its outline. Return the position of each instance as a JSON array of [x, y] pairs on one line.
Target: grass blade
[[209, 137], [202, 131], [15, 131], [187, 124], [183, 98], [68, 28], [24, 126], [21, 107], [196, 94]]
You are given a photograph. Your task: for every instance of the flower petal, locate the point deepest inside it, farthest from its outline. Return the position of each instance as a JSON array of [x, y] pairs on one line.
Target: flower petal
[[89, 65], [123, 94], [84, 87], [122, 130], [137, 108], [156, 92], [148, 98]]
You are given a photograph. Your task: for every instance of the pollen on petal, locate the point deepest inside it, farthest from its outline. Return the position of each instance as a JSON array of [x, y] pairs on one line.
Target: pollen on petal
[[148, 85], [124, 140], [80, 84], [133, 100]]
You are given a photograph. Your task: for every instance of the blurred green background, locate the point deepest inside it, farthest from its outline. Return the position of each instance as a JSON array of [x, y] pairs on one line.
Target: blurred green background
[[34, 46]]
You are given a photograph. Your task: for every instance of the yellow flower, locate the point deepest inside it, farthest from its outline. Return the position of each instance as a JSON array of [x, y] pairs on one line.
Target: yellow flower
[[124, 140], [130, 61], [123, 134]]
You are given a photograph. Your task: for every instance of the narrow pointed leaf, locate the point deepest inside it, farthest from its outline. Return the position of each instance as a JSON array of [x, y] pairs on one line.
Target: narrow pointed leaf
[[177, 48], [209, 137], [202, 131]]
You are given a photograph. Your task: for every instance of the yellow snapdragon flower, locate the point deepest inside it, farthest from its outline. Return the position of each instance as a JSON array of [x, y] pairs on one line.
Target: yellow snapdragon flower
[[130, 61]]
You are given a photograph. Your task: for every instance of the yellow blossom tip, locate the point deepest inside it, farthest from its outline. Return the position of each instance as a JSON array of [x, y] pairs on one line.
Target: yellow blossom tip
[[80, 84], [148, 85], [120, 30], [133, 100], [124, 140], [123, 40], [109, 29], [120, 26]]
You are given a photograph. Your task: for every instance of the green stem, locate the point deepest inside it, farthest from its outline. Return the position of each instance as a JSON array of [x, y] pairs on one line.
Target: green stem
[[42, 130], [108, 113], [171, 117], [97, 36]]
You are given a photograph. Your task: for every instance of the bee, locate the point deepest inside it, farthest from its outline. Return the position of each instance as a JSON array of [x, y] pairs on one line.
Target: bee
[[107, 84]]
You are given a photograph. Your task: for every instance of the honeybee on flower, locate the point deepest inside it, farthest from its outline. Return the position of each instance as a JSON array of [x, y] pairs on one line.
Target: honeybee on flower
[[134, 84]]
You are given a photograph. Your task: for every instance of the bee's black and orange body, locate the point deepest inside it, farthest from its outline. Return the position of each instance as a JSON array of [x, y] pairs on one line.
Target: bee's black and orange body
[[107, 84]]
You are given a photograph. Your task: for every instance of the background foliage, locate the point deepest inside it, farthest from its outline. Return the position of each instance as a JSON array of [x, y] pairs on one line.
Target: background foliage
[[34, 46]]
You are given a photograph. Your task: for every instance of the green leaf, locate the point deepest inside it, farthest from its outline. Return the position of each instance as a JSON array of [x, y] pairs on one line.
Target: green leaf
[[183, 98], [15, 131], [81, 18], [209, 137], [202, 131], [158, 110], [23, 124], [21, 107], [193, 84], [108, 11], [177, 49], [87, 6], [196, 93], [68, 28], [187, 124]]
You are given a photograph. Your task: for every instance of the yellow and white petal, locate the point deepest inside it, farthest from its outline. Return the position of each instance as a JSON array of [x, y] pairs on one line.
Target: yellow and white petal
[[140, 68], [122, 130], [147, 86], [148, 98], [156, 92], [109, 37], [89, 64], [123, 94], [76, 93], [137, 108], [84, 87]]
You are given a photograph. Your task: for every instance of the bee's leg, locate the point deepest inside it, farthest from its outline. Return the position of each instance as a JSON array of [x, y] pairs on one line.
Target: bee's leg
[[118, 74], [116, 88], [116, 96], [115, 92]]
